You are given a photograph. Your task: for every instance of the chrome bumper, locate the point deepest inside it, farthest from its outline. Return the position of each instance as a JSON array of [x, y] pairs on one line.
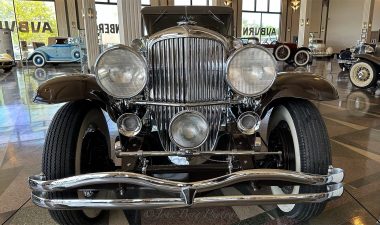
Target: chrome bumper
[[186, 191]]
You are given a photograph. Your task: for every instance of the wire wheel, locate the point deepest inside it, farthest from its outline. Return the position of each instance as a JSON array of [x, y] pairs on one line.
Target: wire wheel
[[301, 58], [363, 74]]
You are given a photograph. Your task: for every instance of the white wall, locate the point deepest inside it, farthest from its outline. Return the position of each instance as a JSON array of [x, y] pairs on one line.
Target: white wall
[[344, 23]]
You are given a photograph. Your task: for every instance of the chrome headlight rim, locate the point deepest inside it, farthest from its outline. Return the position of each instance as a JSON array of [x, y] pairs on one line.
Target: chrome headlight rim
[[233, 55], [181, 114], [133, 51]]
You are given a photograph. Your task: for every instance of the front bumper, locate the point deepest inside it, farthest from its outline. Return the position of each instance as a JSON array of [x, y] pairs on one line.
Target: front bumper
[[186, 191]]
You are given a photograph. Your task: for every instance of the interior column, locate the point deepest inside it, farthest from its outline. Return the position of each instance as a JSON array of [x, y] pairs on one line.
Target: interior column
[[129, 20], [304, 23], [367, 20], [91, 32]]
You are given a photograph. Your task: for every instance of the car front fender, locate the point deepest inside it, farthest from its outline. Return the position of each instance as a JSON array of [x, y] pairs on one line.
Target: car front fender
[[30, 57], [297, 85], [368, 57], [69, 87]]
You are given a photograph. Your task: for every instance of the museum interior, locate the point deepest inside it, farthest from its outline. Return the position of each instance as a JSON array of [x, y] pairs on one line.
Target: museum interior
[[228, 112]]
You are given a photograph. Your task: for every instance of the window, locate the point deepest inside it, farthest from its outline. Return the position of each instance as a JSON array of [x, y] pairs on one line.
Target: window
[[262, 5], [192, 2], [261, 19], [31, 22], [275, 6], [108, 24]]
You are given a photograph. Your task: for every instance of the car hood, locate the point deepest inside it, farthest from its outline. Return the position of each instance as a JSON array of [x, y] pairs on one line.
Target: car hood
[[6, 58]]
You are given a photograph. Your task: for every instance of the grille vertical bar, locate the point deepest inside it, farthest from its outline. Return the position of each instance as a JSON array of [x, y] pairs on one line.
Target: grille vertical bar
[[187, 70]]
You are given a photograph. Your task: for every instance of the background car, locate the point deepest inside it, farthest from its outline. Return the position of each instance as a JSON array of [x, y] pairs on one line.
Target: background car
[[364, 73], [59, 50], [6, 62], [318, 48], [286, 52], [346, 57]]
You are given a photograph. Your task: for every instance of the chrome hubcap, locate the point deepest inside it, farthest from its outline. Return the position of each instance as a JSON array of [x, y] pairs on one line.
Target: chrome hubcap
[[362, 74]]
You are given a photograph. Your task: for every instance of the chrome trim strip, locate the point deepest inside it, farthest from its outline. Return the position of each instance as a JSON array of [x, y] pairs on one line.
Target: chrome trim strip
[[37, 183], [189, 104], [142, 153], [65, 204]]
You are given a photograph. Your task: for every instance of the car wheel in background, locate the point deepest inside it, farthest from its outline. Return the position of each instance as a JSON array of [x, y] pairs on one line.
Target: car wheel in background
[[363, 74], [39, 60], [282, 52], [302, 57]]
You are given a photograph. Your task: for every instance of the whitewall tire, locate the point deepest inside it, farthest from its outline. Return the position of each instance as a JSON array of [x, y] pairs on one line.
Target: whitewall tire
[[297, 129], [39, 60], [302, 57], [282, 53], [363, 74]]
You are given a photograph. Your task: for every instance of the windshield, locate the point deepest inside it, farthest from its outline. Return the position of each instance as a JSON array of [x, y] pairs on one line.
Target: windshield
[[219, 19]]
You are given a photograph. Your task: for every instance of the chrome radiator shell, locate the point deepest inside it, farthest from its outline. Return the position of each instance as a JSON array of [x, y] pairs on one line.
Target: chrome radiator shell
[[187, 69]]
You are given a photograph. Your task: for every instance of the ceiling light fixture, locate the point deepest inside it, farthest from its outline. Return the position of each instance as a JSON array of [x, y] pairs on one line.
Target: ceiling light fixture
[[295, 4]]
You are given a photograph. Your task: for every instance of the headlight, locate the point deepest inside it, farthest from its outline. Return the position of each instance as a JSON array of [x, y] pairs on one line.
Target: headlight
[[251, 70], [188, 129], [368, 49], [121, 72]]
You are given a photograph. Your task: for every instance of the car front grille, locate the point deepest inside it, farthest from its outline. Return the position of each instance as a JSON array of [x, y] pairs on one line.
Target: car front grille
[[187, 70]]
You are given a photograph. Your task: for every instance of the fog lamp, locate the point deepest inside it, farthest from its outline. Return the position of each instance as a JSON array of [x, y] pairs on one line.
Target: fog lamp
[[129, 124], [248, 123], [188, 129]]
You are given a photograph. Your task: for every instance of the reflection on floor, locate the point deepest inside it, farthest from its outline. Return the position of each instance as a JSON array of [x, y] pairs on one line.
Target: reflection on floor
[[353, 123]]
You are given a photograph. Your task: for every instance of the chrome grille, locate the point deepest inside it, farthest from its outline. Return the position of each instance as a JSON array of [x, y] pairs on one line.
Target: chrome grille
[[187, 70]]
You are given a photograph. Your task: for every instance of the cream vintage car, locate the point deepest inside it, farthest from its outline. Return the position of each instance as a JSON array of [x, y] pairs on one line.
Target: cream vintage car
[[318, 48], [6, 62]]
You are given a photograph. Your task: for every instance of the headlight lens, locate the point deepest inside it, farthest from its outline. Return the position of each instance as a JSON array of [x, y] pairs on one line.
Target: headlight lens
[[121, 72], [251, 70], [188, 129], [368, 49]]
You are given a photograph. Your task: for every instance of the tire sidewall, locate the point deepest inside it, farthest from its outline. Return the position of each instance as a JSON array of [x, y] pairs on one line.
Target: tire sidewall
[[279, 114], [91, 119], [354, 73]]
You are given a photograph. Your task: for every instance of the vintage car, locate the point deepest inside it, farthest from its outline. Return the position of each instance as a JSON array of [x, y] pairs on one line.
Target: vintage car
[[6, 62], [318, 48], [194, 114], [59, 50], [286, 52], [346, 57], [364, 73]]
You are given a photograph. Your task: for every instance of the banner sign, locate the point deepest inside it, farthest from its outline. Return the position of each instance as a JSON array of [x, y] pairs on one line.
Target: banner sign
[[26, 27], [255, 31], [105, 28]]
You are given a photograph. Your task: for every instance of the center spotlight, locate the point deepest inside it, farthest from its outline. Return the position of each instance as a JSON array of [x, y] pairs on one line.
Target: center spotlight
[[188, 129]]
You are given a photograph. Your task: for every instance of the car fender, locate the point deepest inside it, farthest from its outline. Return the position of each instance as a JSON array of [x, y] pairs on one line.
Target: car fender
[[297, 85], [304, 48], [370, 58], [70, 87], [30, 57]]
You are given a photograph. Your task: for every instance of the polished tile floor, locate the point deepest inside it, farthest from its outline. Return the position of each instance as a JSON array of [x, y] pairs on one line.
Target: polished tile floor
[[353, 123]]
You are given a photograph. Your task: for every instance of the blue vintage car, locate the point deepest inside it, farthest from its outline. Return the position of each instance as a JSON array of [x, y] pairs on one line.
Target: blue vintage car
[[59, 50]]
